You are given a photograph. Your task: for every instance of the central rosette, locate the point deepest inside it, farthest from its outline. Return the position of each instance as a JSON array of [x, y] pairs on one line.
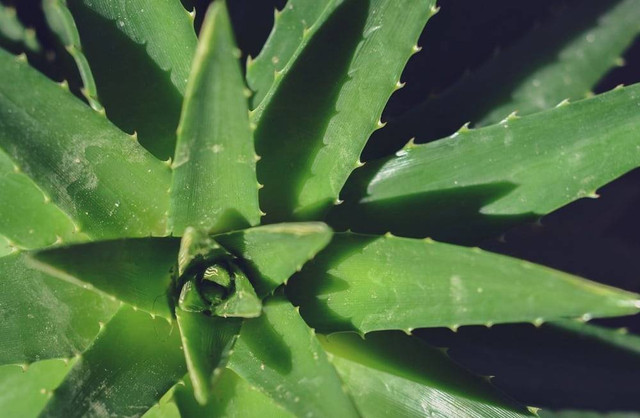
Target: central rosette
[[211, 281]]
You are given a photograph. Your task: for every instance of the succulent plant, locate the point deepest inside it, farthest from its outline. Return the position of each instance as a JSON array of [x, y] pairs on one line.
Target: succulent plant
[[180, 236]]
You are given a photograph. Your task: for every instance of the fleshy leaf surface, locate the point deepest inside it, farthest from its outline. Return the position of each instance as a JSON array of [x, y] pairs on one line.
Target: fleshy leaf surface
[[43, 317], [107, 183], [127, 369], [23, 393], [366, 283], [274, 252], [563, 59], [21, 218], [166, 407], [391, 374], [135, 271], [233, 397], [312, 132], [278, 353], [294, 26], [207, 342], [61, 22], [480, 181], [214, 172], [140, 52], [242, 302]]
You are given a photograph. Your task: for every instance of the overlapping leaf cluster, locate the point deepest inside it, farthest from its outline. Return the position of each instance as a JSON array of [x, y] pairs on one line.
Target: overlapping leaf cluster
[[168, 237]]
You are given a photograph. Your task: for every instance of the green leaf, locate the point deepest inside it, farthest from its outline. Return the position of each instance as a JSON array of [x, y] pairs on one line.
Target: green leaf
[[134, 271], [366, 283], [107, 183], [274, 252], [197, 248], [207, 342], [23, 393], [563, 59], [280, 355], [391, 374], [214, 173], [553, 358], [140, 55], [481, 181], [611, 338], [30, 221], [13, 35], [166, 407], [312, 131], [242, 302], [294, 26], [6, 247], [233, 397], [61, 22], [131, 364], [43, 317]]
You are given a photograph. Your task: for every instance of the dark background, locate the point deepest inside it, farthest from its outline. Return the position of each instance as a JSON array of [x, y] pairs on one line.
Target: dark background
[[598, 239]]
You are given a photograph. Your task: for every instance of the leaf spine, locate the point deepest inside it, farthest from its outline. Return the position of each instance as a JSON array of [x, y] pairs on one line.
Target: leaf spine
[[464, 128], [533, 410], [410, 144], [510, 117]]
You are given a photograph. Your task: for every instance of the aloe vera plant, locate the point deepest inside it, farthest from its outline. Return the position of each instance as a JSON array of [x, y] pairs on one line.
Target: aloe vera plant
[[182, 235]]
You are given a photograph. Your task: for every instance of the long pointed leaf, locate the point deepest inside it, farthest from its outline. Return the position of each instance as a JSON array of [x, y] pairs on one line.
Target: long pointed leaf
[[234, 397], [280, 355], [13, 35], [107, 183], [554, 357], [293, 28], [480, 181], [367, 283], [61, 22], [207, 342], [131, 364], [135, 271], [312, 132], [23, 393], [391, 374], [274, 252], [563, 59], [140, 53], [214, 180], [43, 317]]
